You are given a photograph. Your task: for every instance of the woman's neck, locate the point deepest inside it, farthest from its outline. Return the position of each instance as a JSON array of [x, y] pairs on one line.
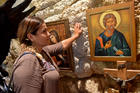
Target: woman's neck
[[37, 48], [30, 48]]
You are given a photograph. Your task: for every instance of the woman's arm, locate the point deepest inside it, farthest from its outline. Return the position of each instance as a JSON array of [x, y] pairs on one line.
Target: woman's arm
[[77, 32], [63, 45]]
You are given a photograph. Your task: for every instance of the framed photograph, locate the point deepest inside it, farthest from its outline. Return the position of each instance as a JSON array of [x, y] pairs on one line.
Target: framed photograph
[[59, 31], [112, 34]]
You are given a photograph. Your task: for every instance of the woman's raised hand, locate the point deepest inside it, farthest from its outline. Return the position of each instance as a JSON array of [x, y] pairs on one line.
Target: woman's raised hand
[[77, 29]]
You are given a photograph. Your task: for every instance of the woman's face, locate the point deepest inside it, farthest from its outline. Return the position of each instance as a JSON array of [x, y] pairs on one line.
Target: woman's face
[[42, 37], [110, 23]]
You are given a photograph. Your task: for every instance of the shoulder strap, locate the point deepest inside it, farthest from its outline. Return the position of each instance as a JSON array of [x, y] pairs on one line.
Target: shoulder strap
[[17, 66]]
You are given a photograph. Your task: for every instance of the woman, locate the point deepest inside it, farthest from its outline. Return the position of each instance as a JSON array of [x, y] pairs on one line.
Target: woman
[[36, 72]]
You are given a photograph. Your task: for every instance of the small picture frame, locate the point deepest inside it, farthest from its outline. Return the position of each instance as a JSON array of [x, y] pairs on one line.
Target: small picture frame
[[112, 34], [59, 31]]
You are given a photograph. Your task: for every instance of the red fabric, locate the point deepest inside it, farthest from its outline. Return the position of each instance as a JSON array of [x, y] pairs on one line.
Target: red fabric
[[101, 41]]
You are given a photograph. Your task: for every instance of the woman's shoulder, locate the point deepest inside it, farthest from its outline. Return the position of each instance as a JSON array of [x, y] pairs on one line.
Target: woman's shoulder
[[26, 56]]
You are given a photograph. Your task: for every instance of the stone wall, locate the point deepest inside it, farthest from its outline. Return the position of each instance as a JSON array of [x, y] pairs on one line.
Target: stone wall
[[89, 74]]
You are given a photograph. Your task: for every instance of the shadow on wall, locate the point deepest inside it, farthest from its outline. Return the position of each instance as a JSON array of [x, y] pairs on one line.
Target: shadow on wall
[[10, 17]]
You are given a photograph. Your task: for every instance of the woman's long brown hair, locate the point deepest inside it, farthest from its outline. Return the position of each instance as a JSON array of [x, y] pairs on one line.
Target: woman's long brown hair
[[28, 25]]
